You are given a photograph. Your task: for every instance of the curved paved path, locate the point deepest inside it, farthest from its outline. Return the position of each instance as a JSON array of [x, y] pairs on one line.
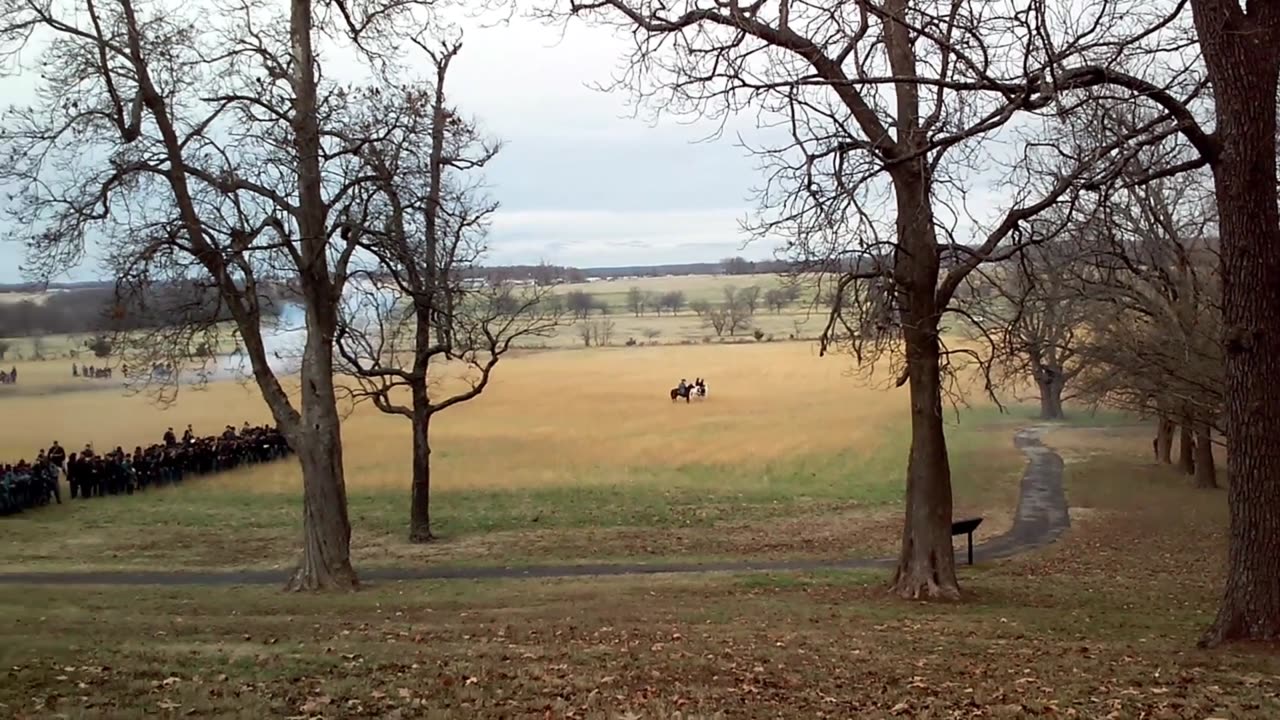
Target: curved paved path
[[1041, 517]]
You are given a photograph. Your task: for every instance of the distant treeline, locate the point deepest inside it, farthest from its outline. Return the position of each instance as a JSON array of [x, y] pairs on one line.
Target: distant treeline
[[542, 273], [97, 310], [548, 274]]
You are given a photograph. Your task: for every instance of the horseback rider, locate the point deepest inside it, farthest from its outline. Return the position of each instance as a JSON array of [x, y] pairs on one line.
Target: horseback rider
[[683, 387]]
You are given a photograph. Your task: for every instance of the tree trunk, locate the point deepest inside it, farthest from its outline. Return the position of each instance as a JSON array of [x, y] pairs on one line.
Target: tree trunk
[[1186, 448], [317, 438], [326, 548], [1206, 470], [1051, 384], [420, 503], [1242, 54], [926, 566], [1164, 440]]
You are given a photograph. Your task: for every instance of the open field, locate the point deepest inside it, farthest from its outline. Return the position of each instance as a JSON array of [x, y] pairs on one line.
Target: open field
[[797, 320], [1102, 624], [568, 456], [695, 287], [686, 328]]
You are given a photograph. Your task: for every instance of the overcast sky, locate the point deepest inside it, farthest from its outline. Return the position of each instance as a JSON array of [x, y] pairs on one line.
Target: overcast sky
[[580, 182]]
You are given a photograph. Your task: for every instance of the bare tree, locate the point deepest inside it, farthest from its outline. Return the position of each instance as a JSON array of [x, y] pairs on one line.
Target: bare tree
[[738, 308], [737, 266], [582, 303], [597, 332], [602, 331], [1151, 266], [409, 323], [1034, 312], [674, 301], [749, 297], [875, 97], [637, 300], [777, 299], [38, 347], [194, 137]]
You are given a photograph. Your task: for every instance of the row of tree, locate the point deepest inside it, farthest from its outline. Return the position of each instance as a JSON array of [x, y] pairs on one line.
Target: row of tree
[[1119, 307], [641, 301]]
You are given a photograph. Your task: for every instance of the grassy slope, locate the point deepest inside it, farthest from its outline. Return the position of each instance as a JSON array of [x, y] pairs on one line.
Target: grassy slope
[[1102, 624]]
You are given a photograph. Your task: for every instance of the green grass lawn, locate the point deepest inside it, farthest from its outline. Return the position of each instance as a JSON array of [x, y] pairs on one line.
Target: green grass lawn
[[1102, 624]]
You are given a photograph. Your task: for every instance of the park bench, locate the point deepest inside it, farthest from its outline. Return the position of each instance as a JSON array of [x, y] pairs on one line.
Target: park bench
[[966, 527]]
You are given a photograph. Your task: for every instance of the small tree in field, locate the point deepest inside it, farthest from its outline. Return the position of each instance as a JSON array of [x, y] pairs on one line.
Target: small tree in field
[[738, 308], [581, 303], [602, 331], [598, 332], [674, 301], [776, 299], [637, 300], [410, 324]]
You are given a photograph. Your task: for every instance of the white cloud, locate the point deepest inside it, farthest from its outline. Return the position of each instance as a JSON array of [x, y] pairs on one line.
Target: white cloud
[[603, 237]]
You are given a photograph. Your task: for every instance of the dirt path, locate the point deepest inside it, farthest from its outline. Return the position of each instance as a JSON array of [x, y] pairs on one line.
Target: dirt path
[[1041, 517]]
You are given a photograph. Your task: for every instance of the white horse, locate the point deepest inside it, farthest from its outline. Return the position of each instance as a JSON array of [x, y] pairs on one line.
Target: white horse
[[699, 391]]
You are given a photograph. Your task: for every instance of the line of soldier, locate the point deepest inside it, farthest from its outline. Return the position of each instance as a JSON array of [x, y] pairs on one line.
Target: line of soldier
[[89, 372], [89, 474]]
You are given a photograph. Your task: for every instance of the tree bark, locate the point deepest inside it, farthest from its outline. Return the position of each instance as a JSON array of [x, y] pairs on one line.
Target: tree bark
[[1243, 63], [926, 565], [1051, 384], [1186, 448], [326, 555], [1206, 471], [420, 503], [1164, 440]]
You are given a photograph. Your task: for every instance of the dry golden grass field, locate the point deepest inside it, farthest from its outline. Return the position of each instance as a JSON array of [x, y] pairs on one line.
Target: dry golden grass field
[[569, 455]]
